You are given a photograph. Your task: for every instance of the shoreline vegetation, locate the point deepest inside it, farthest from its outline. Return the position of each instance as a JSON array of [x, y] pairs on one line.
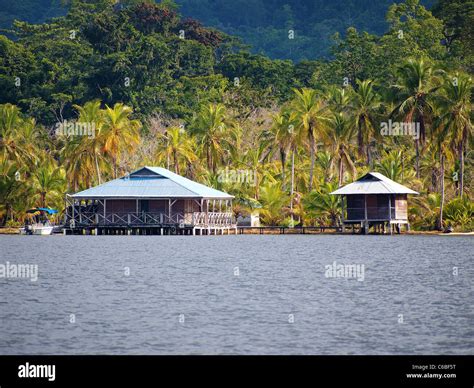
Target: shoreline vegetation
[[90, 96]]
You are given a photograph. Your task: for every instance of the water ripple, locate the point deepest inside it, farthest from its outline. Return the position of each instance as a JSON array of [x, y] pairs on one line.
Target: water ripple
[[237, 295]]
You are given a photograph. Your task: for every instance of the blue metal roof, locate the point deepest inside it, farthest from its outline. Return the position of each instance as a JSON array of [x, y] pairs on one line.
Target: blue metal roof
[[152, 182]]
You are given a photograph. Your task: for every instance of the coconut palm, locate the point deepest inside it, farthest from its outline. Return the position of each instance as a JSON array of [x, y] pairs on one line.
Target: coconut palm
[[418, 82], [338, 136], [273, 200], [79, 162], [311, 117], [279, 137], [323, 205], [10, 121], [460, 212], [92, 114], [83, 156], [455, 105], [212, 127], [19, 137], [324, 160], [253, 162], [426, 209], [48, 182], [176, 146], [11, 188], [392, 166], [442, 146], [364, 106], [120, 133], [338, 98]]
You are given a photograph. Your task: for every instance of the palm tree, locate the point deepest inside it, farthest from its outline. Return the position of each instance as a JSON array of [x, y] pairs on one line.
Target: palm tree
[[392, 166], [11, 188], [442, 146], [418, 81], [365, 103], [280, 136], [324, 160], [338, 98], [79, 160], [254, 161], [460, 212], [427, 209], [212, 127], [120, 132], [48, 181], [273, 201], [10, 121], [84, 155], [92, 114], [311, 116], [456, 108], [176, 145], [296, 135], [324, 205], [19, 137], [339, 136]]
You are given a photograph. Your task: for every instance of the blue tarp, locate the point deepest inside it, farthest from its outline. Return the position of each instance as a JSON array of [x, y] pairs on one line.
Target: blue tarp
[[43, 209]]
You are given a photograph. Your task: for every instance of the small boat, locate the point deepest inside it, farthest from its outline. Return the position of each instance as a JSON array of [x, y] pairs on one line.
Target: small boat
[[39, 223]]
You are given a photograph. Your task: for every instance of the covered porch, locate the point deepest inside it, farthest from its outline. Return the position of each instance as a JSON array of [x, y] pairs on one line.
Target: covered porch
[[135, 213]]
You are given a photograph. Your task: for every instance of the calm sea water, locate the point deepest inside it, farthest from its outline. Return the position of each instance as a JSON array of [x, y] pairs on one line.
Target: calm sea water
[[237, 295]]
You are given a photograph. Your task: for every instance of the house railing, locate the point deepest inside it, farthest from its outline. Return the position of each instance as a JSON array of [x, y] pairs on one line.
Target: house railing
[[204, 219], [373, 213], [181, 219]]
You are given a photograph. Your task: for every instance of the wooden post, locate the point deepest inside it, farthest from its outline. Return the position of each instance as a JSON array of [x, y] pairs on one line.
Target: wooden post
[[342, 213], [366, 221], [169, 208], [74, 211], [390, 213], [80, 212], [390, 207]]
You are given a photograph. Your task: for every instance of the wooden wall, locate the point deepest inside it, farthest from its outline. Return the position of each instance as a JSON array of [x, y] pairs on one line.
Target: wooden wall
[[377, 207], [401, 207]]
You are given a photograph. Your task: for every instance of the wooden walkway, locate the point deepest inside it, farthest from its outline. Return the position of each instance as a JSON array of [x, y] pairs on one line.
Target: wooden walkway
[[288, 230]]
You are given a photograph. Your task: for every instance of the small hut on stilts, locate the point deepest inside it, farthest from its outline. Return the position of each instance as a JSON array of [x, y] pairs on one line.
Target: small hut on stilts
[[375, 201]]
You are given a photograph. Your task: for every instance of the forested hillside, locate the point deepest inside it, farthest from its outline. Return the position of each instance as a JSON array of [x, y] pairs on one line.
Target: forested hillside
[[160, 89], [263, 24], [32, 11]]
